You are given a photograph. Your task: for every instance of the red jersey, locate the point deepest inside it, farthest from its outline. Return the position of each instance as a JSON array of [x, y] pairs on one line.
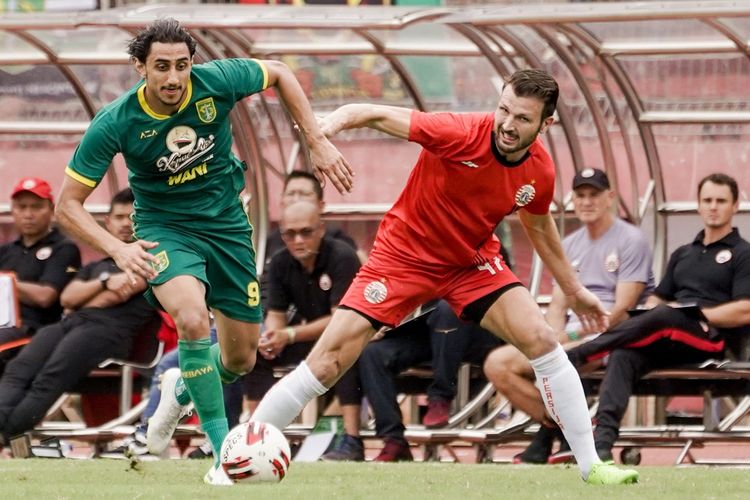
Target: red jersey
[[459, 190]]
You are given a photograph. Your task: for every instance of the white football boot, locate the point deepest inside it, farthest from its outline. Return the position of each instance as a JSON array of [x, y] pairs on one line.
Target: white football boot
[[162, 424], [216, 476]]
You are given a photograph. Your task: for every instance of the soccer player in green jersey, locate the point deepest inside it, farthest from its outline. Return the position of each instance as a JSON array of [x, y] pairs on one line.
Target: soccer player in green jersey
[[194, 240]]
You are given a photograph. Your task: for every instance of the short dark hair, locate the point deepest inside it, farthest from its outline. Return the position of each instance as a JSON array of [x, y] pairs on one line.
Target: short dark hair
[[166, 30], [302, 174], [124, 197], [721, 180], [536, 83]]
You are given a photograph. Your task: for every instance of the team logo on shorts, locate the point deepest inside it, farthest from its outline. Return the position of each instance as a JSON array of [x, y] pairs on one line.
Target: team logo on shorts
[[724, 256], [525, 194], [325, 282], [612, 262], [375, 292], [44, 253], [162, 261], [206, 109]]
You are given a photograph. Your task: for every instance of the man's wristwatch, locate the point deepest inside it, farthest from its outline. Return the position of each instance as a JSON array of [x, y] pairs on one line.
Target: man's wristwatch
[[104, 279]]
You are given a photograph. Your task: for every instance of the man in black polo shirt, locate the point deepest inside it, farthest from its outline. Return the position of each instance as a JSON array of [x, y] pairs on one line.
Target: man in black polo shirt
[[306, 280], [104, 313], [713, 273], [43, 260]]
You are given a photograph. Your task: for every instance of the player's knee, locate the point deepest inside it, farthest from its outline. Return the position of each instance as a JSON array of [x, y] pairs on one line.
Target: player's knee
[[240, 362], [191, 324], [537, 341]]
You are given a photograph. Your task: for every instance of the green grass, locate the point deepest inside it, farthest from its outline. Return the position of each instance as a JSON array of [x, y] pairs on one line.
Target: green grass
[[101, 479]]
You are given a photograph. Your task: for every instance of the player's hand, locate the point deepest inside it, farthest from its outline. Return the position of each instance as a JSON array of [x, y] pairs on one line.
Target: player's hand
[[134, 260], [594, 318], [329, 163], [272, 342]]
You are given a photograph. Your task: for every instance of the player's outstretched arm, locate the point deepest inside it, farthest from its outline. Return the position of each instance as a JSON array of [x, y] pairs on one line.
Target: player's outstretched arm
[[545, 239], [327, 161], [132, 258], [392, 120]]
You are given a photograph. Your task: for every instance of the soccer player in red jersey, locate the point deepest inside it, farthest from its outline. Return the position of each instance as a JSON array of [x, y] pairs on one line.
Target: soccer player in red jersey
[[438, 241]]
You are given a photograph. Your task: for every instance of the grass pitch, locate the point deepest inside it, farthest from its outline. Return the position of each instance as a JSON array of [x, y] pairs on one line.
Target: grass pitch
[[182, 479]]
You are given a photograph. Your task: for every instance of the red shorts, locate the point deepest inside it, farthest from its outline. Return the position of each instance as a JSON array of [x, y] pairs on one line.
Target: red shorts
[[387, 288]]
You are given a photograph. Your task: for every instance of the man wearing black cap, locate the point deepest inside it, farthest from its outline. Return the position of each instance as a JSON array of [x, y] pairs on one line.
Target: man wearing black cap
[[613, 260], [42, 259]]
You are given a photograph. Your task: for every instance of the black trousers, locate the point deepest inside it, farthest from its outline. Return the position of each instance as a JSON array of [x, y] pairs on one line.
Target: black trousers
[[443, 339], [56, 359], [661, 338], [9, 334]]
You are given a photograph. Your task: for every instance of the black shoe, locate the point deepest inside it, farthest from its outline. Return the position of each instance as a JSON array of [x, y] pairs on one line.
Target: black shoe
[[604, 450], [539, 449], [564, 455], [202, 451], [348, 448]]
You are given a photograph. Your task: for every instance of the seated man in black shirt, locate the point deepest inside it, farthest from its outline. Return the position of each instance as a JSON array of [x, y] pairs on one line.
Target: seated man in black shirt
[[42, 259], [104, 313], [306, 280]]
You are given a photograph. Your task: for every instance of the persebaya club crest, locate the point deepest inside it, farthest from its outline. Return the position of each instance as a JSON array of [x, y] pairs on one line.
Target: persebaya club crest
[[162, 261], [206, 109]]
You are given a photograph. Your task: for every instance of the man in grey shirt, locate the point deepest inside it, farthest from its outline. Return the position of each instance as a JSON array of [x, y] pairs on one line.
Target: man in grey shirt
[[614, 261]]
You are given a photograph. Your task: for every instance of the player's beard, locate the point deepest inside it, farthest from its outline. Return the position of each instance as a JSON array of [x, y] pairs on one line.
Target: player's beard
[[523, 142], [174, 101]]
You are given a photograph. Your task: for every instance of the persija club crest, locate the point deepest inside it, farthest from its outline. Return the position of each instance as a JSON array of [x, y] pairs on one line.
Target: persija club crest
[[525, 195]]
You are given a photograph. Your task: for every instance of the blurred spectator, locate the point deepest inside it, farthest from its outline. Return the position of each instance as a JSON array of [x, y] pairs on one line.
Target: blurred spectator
[[439, 337], [43, 260], [613, 260], [104, 312], [306, 280]]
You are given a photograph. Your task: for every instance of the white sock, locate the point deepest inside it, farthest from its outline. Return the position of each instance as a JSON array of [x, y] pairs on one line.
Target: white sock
[[565, 400], [286, 399]]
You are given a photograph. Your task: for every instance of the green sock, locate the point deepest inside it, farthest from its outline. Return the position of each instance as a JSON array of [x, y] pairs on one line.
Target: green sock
[[201, 378], [227, 376]]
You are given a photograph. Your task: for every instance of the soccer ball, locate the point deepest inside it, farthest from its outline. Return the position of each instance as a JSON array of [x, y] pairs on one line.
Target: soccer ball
[[255, 452]]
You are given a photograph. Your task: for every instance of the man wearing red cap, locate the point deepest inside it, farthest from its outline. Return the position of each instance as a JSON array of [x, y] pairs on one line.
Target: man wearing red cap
[[43, 260]]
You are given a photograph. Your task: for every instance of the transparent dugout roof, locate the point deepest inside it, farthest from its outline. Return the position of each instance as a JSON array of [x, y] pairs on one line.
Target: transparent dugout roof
[[647, 88]]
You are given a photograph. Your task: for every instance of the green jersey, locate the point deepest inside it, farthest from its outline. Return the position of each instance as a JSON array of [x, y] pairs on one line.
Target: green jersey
[[181, 166]]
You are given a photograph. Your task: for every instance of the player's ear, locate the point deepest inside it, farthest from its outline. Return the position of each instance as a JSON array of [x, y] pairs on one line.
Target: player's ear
[[546, 123], [140, 68]]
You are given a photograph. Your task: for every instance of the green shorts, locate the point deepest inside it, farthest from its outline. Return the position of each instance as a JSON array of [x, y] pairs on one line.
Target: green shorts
[[224, 260]]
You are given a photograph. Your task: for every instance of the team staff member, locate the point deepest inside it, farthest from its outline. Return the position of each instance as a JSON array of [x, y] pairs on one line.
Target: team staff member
[[195, 245], [437, 242], [43, 260], [104, 313]]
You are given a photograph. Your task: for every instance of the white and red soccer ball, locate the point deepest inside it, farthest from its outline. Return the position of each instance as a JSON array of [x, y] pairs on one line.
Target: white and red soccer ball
[[255, 452]]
